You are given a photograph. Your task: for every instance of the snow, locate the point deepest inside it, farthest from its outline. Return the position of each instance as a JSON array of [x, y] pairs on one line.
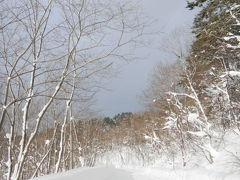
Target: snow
[[213, 152], [8, 136], [232, 47], [111, 173], [47, 142], [235, 7], [40, 114], [198, 133], [57, 87], [231, 73], [234, 73], [230, 35], [194, 118], [104, 173], [24, 108], [170, 123], [72, 118], [227, 38], [226, 166]]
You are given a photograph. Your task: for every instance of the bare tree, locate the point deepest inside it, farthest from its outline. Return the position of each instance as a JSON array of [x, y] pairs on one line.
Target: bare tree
[[44, 46]]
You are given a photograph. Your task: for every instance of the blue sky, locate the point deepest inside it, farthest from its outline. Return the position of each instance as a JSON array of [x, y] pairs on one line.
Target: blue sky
[[125, 88]]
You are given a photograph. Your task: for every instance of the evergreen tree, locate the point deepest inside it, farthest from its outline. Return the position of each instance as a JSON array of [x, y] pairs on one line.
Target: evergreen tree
[[215, 58]]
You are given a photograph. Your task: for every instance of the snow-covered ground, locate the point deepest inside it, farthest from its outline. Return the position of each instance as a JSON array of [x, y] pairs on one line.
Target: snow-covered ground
[[226, 166], [111, 173]]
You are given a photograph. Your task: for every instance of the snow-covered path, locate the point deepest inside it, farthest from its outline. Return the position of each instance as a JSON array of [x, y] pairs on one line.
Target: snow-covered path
[[91, 174], [110, 173]]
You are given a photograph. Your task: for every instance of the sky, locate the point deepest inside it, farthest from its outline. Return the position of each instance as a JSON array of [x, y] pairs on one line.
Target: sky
[[124, 89]]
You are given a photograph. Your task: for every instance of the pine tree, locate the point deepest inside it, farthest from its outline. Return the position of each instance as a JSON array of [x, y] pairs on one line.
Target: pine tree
[[215, 58]]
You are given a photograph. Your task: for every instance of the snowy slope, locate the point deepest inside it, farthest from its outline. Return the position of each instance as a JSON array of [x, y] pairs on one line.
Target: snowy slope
[[110, 173]]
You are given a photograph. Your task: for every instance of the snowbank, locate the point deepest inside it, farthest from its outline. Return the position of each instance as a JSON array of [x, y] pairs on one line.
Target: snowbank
[[90, 174], [226, 166], [110, 173]]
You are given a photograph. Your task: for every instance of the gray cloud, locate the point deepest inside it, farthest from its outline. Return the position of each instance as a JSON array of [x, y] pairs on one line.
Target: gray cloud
[[133, 78]]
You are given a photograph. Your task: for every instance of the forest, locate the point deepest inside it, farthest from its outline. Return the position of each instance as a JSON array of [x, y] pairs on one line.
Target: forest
[[54, 56]]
